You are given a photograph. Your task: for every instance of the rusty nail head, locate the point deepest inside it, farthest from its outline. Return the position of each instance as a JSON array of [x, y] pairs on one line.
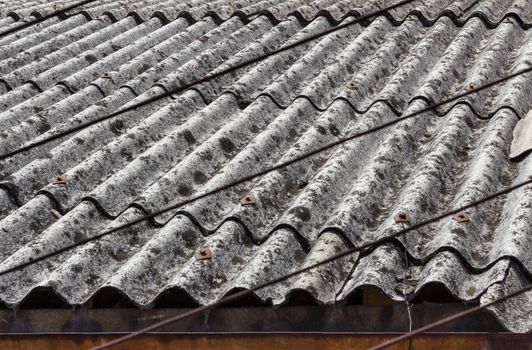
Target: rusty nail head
[[60, 180], [352, 85], [402, 216], [107, 75], [248, 200], [203, 253], [461, 217], [471, 87]]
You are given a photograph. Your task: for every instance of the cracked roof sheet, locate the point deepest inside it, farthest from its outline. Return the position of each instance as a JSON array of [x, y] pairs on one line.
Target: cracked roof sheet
[[69, 70]]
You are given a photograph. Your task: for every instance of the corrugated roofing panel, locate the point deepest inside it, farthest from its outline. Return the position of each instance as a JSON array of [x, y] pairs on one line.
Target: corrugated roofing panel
[[490, 11], [79, 69]]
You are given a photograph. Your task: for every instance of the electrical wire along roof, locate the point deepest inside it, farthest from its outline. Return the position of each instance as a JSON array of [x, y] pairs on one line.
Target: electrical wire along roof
[[93, 61]]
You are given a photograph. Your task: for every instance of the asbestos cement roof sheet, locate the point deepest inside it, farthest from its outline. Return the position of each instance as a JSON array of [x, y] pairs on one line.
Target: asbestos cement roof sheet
[[69, 70], [491, 11]]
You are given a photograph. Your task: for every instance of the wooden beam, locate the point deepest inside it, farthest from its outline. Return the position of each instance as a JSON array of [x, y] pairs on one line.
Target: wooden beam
[[268, 342]]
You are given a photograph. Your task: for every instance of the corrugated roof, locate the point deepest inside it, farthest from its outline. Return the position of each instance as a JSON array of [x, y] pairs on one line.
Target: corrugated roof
[[63, 72], [491, 11]]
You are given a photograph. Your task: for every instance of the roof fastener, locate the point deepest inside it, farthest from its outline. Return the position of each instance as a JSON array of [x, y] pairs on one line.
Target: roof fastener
[[471, 291], [402, 216], [203, 253], [60, 180], [248, 200], [24, 19], [470, 87], [461, 217], [107, 75], [351, 85]]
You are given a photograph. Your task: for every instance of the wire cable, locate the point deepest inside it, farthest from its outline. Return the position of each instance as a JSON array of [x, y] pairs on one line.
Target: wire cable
[[44, 18], [262, 172], [361, 248], [202, 80]]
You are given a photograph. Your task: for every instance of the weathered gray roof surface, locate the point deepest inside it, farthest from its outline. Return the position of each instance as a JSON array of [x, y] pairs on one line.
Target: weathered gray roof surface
[[63, 72], [491, 11]]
